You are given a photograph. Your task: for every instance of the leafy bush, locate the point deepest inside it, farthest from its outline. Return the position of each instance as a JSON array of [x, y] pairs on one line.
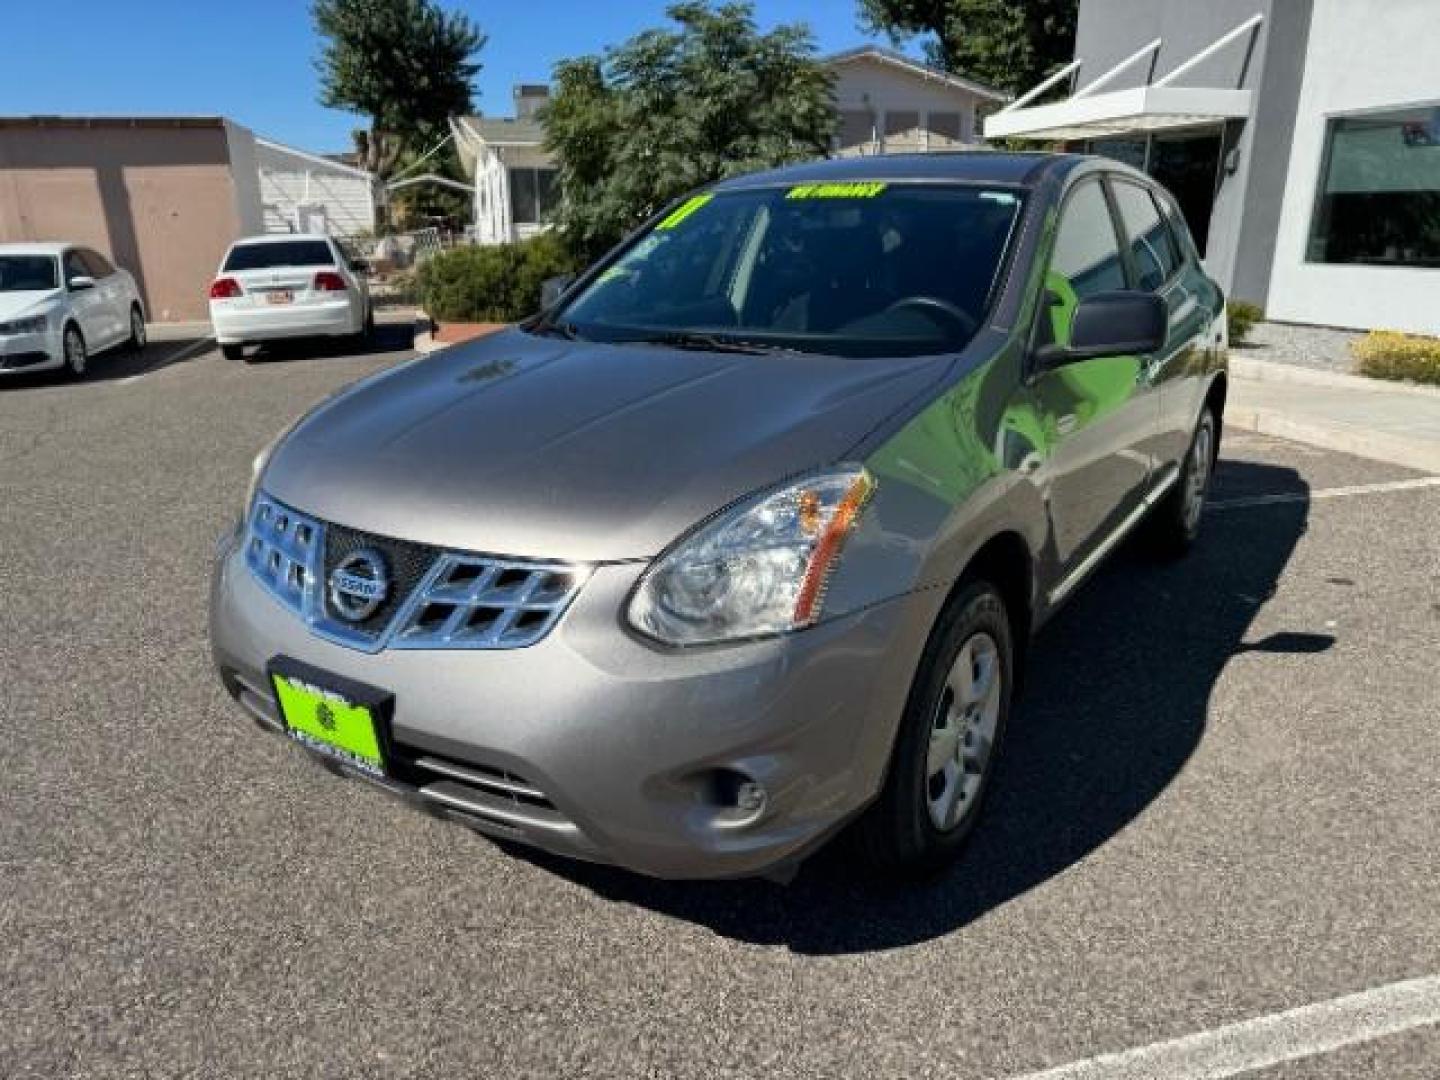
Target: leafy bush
[[491, 284], [1243, 315], [1389, 354]]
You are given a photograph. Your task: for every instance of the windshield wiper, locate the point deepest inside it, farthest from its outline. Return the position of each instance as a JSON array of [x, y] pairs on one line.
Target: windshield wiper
[[691, 339]]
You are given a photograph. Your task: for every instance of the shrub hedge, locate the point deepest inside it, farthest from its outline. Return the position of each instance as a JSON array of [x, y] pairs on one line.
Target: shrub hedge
[[491, 284], [1243, 315], [1389, 354]]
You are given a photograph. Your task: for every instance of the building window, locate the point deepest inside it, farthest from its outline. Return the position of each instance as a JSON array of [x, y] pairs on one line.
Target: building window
[[903, 131], [1379, 197], [944, 130], [532, 195], [857, 129]]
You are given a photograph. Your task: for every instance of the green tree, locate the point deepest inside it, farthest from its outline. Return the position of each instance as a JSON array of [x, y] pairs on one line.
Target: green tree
[[407, 65], [1010, 44], [674, 108]]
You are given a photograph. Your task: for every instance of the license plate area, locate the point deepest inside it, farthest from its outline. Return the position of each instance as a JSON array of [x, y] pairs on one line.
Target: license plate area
[[336, 717], [280, 296]]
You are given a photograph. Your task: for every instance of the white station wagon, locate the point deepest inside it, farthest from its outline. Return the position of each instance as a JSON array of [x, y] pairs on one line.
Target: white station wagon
[[60, 304], [270, 288]]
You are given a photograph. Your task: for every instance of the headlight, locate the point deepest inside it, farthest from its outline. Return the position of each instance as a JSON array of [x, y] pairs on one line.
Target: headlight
[[757, 569], [36, 324], [262, 459]]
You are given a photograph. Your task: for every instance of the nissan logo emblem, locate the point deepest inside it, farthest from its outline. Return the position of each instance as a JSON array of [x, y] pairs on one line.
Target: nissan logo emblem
[[359, 584]]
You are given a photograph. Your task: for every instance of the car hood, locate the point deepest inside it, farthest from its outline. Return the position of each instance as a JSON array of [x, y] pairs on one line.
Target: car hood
[[17, 305], [546, 448]]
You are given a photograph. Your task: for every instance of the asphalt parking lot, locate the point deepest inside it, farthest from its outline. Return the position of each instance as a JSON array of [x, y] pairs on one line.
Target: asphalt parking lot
[[1220, 802]]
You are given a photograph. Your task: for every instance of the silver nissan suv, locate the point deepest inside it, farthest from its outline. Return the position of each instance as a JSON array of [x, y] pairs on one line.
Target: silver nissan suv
[[742, 540]]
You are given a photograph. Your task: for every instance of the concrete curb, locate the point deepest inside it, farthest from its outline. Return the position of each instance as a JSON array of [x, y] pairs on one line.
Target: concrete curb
[[1272, 371], [1420, 454]]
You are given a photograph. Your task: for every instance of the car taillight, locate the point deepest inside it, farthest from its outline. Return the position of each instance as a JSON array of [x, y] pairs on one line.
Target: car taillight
[[329, 281], [225, 289]]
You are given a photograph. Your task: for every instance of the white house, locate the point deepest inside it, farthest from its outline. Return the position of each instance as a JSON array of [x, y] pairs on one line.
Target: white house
[[304, 192], [888, 103], [891, 104]]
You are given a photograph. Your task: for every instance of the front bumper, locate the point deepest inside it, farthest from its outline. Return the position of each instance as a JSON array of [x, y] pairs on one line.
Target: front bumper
[[30, 352], [621, 741]]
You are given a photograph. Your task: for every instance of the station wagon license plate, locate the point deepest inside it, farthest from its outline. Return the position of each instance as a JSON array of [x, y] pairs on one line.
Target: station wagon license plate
[[335, 717], [279, 296]]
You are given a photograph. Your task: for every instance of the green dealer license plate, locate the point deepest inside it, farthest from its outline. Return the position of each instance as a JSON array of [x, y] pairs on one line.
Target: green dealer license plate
[[330, 715]]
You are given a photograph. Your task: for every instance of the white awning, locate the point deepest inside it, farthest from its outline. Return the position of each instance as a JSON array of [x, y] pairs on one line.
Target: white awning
[[1141, 109], [1156, 106]]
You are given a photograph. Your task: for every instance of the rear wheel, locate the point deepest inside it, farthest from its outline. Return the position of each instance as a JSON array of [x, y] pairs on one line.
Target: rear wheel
[[137, 328], [1175, 523], [948, 741], [233, 352], [76, 355]]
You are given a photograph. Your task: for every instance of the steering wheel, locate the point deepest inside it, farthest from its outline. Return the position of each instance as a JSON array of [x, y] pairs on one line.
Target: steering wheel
[[934, 305]]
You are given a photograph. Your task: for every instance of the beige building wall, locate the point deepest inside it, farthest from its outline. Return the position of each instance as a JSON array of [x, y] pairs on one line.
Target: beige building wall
[[157, 196]]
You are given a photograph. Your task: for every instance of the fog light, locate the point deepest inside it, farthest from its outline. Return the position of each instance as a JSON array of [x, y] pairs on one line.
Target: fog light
[[739, 800], [750, 799]]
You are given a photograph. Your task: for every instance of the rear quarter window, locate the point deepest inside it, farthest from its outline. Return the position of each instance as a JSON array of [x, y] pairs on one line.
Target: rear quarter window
[[278, 254]]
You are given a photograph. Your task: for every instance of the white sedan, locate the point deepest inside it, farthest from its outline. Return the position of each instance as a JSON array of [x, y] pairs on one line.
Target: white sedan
[[60, 304], [288, 286]]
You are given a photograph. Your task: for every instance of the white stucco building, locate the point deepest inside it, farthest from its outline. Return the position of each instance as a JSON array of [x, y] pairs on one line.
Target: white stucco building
[[888, 103], [1301, 138]]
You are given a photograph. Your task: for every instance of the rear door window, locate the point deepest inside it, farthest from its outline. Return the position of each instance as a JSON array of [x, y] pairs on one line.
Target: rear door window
[[1152, 248], [279, 253]]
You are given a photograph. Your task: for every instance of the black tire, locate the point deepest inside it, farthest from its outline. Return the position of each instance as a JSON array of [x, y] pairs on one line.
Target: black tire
[[233, 352], [367, 331], [1174, 524], [897, 834], [77, 355], [137, 329]]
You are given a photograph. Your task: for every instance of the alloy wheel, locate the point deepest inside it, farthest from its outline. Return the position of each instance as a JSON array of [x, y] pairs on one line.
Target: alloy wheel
[[75, 356], [137, 330], [962, 736], [1197, 476]]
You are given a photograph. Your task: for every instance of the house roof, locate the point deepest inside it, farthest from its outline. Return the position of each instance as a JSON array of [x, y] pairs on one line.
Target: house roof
[[505, 131], [314, 159], [914, 67], [112, 121]]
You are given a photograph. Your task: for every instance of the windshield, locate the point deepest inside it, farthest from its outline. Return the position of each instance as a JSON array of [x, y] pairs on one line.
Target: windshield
[[279, 253], [28, 273], [866, 269]]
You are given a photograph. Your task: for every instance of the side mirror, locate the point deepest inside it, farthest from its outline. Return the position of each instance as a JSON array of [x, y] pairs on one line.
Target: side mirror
[[1110, 324], [551, 289], [81, 282]]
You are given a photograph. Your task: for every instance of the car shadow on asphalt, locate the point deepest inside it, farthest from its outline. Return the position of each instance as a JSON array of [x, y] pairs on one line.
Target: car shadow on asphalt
[[1116, 701], [121, 363], [387, 337]]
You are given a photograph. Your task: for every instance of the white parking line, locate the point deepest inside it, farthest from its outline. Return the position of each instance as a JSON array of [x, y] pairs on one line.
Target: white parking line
[[1269, 1040], [1325, 493], [173, 357]]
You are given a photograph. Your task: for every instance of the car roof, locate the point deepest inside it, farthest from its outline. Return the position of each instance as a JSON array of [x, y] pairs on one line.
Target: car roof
[[39, 248], [279, 238], [1024, 169]]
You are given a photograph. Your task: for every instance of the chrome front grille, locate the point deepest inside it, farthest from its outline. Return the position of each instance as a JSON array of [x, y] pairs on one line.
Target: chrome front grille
[[440, 599]]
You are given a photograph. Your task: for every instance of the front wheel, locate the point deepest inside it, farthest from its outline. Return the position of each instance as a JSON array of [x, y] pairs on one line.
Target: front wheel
[[137, 329], [233, 352], [1175, 523], [76, 355], [949, 739]]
